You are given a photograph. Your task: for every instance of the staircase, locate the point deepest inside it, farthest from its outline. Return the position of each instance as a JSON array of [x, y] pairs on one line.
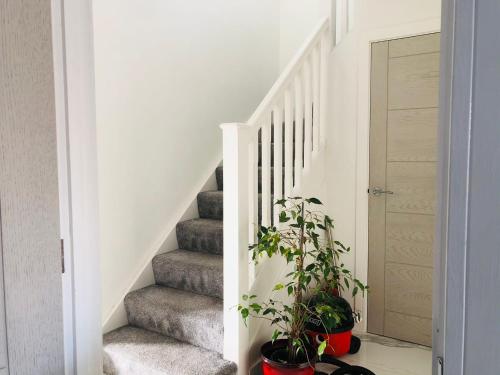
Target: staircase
[[176, 326]]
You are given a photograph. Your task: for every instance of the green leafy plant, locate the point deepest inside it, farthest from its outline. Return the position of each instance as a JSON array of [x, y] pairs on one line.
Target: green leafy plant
[[337, 278], [303, 238]]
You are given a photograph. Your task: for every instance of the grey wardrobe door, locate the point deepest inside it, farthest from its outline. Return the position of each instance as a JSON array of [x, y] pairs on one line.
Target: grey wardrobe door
[[29, 190]]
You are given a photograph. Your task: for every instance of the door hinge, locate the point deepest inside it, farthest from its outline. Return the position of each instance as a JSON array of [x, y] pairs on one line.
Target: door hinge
[[62, 256], [440, 366]]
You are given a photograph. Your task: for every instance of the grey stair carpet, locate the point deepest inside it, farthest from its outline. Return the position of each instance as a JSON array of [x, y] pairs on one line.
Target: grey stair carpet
[[204, 235], [192, 318], [219, 174], [176, 326], [210, 205], [131, 350], [191, 271]]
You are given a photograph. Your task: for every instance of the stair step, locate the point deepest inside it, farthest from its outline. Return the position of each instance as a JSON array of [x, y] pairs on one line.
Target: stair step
[[206, 213], [203, 235], [190, 271], [187, 317], [210, 205], [219, 176], [134, 351]]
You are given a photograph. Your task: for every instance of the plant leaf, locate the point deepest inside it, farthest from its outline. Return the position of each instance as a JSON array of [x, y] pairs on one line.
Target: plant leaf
[[321, 348], [278, 287], [276, 334], [313, 201]]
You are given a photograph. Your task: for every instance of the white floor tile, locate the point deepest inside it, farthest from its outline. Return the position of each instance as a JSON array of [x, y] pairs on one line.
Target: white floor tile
[[385, 356]]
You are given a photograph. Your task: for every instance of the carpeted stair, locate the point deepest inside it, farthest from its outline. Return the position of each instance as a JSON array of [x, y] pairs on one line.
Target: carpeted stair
[[176, 326], [131, 350]]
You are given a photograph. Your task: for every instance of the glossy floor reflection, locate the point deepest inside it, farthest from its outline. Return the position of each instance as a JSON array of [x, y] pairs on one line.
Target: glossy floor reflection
[[385, 356]]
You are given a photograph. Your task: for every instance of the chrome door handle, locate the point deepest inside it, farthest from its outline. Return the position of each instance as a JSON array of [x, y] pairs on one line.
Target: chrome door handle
[[376, 191]]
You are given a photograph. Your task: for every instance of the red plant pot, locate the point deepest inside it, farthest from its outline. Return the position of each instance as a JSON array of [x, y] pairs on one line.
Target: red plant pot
[[337, 344], [272, 367]]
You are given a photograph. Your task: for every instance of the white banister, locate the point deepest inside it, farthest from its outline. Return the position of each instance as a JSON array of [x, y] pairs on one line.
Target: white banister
[[284, 138], [323, 88], [266, 171], [316, 98], [278, 157], [299, 120], [288, 144], [290, 70], [307, 116]]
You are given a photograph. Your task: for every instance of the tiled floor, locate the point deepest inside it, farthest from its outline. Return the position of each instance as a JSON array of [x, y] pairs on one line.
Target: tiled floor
[[385, 356]]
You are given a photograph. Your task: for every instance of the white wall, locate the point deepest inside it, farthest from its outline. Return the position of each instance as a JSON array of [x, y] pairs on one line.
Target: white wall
[[347, 164], [167, 74], [297, 19]]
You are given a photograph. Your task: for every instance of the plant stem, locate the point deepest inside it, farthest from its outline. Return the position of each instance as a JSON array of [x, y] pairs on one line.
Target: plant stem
[[297, 323]]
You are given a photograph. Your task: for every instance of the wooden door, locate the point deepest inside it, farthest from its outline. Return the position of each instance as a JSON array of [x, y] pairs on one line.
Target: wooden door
[[29, 213], [403, 142]]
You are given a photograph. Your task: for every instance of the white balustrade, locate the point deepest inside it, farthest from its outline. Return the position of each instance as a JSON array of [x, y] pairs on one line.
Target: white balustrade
[[289, 128]]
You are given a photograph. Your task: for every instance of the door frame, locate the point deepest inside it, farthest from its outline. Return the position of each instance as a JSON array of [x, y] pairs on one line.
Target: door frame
[[363, 165], [73, 52]]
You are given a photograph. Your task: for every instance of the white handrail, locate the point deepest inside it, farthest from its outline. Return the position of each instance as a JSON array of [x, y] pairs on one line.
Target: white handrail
[[264, 160], [290, 70]]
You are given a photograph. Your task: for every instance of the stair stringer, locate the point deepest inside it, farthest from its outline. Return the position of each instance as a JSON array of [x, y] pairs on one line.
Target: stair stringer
[[167, 241]]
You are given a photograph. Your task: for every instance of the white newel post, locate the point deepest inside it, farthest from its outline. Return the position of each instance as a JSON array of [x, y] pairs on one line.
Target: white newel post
[[236, 141]]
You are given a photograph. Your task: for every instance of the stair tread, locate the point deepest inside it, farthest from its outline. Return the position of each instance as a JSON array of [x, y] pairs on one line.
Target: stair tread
[[190, 271], [204, 235], [210, 204], [211, 193], [193, 318], [134, 351]]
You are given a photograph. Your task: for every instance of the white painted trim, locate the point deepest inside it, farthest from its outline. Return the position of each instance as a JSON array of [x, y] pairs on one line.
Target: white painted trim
[[77, 153], [363, 136], [64, 184], [166, 241]]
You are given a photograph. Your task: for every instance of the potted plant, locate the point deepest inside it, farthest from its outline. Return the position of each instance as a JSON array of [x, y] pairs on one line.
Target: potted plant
[[298, 239], [337, 281]]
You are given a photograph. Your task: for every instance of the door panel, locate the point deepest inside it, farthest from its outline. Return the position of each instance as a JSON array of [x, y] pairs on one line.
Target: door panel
[[29, 190], [408, 327], [410, 239], [413, 46], [408, 289], [414, 187], [403, 141], [414, 81], [411, 135]]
